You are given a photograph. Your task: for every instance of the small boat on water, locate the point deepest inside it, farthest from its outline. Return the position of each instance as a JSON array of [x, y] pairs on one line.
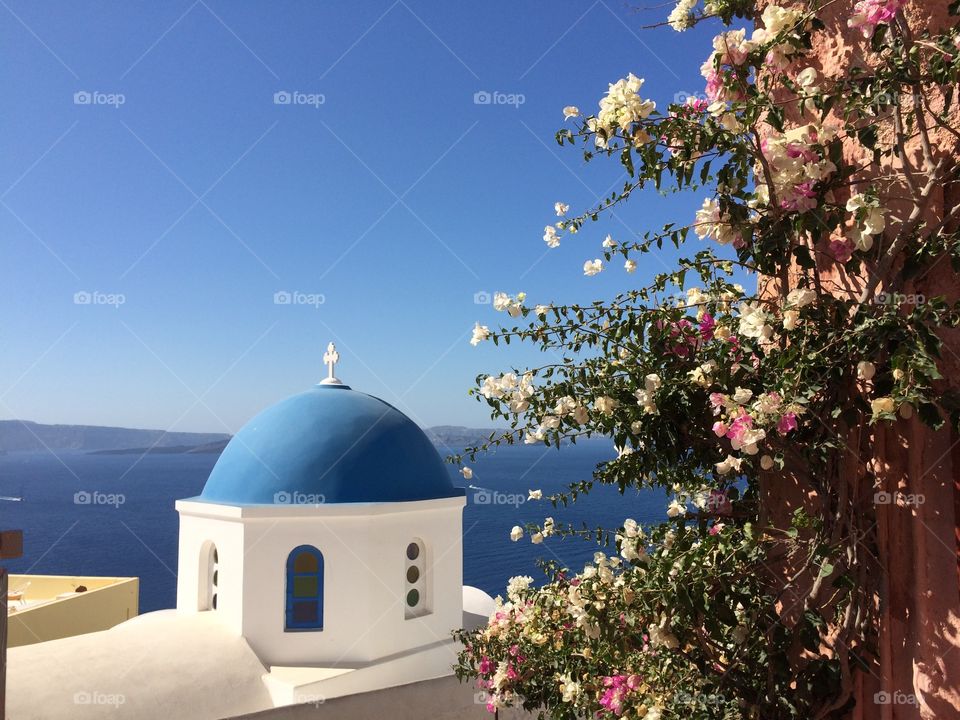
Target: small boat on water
[[11, 499]]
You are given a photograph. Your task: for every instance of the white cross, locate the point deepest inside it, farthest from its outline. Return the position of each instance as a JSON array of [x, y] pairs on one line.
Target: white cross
[[331, 357]]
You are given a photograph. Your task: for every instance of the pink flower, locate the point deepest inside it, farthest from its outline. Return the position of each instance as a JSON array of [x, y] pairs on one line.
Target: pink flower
[[486, 665], [720, 428], [867, 14], [707, 324], [739, 426], [842, 250], [717, 527], [717, 400], [787, 423]]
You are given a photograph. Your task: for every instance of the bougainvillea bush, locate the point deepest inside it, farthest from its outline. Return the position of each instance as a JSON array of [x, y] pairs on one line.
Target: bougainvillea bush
[[809, 183]]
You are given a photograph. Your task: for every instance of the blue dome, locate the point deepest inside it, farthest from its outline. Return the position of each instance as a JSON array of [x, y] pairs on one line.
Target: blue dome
[[329, 444]]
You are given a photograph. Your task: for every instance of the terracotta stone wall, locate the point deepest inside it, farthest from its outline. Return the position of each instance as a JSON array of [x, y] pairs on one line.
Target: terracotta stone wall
[[919, 546]]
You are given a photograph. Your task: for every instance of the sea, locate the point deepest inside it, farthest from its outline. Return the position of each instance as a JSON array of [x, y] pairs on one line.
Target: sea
[[113, 515]]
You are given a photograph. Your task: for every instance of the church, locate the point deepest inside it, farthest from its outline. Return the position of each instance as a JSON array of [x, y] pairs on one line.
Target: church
[[322, 559]]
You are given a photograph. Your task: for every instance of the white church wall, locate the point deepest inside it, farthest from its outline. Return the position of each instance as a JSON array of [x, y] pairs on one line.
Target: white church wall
[[226, 534], [363, 547]]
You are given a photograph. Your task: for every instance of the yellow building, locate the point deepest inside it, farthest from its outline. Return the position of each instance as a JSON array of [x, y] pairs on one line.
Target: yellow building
[[49, 607]]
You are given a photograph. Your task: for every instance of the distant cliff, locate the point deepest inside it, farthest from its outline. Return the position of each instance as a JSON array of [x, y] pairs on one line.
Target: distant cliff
[[23, 435], [458, 437]]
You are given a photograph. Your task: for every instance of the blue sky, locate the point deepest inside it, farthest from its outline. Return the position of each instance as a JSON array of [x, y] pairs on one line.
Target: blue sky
[[397, 198]]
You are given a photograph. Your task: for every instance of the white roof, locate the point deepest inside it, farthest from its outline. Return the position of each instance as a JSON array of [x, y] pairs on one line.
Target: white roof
[[158, 666]]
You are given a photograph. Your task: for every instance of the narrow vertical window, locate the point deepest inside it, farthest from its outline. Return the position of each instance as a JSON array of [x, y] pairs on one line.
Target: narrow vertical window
[[304, 609], [415, 588], [209, 577]]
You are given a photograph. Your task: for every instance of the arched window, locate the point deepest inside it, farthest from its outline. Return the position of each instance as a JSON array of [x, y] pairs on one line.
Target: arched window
[[209, 576], [304, 589], [415, 589]]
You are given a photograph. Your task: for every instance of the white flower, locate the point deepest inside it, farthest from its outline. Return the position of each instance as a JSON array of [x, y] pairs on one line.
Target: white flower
[[652, 382], [661, 635], [548, 527], [516, 585], [536, 538], [513, 306], [801, 297], [753, 321], [605, 405], [466, 472], [480, 333], [535, 495], [570, 111], [653, 713], [550, 236], [630, 266], [790, 319], [742, 396], [581, 415], [866, 370], [730, 463], [681, 18], [550, 422], [676, 508], [541, 309], [608, 242], [623, 106], [561, 208], [570, 689], [592, 267], [516, 533]]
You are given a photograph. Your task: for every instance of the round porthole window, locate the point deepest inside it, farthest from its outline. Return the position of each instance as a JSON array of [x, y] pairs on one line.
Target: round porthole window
[[413, 574], [413, 551], [413, 598]]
